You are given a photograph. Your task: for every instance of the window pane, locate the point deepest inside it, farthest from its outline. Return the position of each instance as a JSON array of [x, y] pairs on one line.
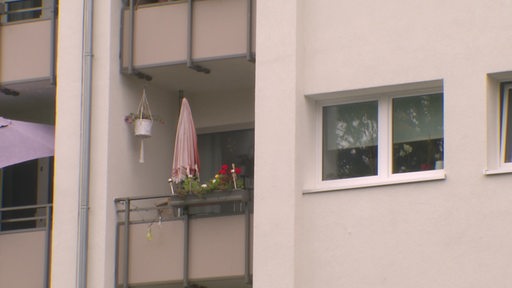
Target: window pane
[[417, 133], [349, 140], [24, 10], [229, 147], [507, 126]]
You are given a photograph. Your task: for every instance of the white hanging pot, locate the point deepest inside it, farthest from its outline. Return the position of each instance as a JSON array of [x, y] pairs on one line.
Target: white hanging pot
[[142, 127]]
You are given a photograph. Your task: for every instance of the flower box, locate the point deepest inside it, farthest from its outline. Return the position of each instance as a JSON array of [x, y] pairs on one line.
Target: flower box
[[212, 197]]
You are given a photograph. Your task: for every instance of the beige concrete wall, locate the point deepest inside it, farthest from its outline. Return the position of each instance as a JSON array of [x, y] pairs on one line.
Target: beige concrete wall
[[447, 233], [25, 51], [216, 250], [22, 259]]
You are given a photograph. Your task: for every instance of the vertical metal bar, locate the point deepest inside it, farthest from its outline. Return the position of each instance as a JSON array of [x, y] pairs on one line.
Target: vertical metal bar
[[249, 31], [126, 242], [185, 246], [247, 243], [190, 23], [121, 39], [189, 33], [131, 28], [85, 144], [53, 50], [47, 246], [3, 13], [116, 255]]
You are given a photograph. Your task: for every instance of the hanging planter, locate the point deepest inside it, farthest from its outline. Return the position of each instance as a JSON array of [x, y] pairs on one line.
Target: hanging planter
[[142, 122], [142, 127]]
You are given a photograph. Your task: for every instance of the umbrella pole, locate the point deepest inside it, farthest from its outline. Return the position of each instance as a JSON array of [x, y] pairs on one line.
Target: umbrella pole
[[170, 184]]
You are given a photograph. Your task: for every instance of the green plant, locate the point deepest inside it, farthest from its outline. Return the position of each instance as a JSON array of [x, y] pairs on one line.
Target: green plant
[[225, 179], [130, 118]]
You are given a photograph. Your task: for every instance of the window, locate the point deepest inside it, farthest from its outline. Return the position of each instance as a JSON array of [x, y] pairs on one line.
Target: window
[[350, 140], [506, 125], [227, 147], [25, 184], [19, 10], [216, 149], [381, 137]]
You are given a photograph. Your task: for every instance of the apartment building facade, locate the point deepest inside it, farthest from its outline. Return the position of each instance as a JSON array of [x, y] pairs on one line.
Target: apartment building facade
[[374, 139]]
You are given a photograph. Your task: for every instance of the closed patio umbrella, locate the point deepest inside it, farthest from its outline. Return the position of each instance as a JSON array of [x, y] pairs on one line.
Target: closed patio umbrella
[[23, 141], [186, 156]]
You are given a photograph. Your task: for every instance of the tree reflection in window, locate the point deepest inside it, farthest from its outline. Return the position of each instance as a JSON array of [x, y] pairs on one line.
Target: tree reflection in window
[[417, 133], [350, 139]]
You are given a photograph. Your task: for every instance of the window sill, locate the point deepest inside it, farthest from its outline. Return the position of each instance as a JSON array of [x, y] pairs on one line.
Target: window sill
[[375, 181], [498, 171]]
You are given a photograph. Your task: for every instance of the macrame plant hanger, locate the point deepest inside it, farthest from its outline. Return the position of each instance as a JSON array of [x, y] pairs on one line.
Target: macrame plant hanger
[[143, 123]]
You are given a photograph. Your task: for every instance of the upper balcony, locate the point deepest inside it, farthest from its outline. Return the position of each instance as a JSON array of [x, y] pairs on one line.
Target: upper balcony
[[27, 40], [170, 33], [27, 59]]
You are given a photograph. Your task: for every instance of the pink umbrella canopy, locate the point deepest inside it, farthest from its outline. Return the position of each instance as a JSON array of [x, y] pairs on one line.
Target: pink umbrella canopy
[[186, 156], [23, 141]]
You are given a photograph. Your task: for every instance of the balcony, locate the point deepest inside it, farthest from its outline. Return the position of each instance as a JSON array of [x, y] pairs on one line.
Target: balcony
[[27, 58], [173, 242], [25, 241], [27, 35], [177, 32]]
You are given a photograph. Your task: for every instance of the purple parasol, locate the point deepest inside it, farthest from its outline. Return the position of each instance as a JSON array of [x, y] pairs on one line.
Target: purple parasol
[[23, 141]]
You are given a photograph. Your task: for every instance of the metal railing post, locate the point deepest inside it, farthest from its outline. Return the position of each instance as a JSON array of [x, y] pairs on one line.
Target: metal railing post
[[126, 243], [186, 231], [249, 31], [53, 49], [47, 246], [131, 28], [116, 255], [247, 243]]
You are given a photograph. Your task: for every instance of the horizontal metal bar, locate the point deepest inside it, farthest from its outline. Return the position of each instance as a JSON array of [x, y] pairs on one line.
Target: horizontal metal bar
[[25, 10], [25, 219], [26, 230], [7, 1], [117, 200], [25, 207]]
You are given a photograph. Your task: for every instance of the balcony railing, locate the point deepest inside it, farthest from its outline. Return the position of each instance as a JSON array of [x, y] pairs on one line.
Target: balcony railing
[[172, 214], [186, 32], [12, 11], [22, 231]]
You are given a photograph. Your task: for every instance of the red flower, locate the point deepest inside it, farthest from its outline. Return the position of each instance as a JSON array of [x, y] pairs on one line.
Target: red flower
[[238, 170], [223, 169], [426, 167]]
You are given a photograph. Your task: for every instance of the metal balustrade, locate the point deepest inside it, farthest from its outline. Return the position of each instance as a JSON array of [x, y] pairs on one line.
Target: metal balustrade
[[150, 209], [15, 220], [14, 11]]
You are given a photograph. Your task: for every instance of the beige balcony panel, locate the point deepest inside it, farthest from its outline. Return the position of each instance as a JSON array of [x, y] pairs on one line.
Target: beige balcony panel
[[22, 255], [216, 250], [25, 51], [160, 37]]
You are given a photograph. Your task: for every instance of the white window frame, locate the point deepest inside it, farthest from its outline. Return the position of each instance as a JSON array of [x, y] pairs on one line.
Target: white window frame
[[497, 84], [385, 175], [504, 100]]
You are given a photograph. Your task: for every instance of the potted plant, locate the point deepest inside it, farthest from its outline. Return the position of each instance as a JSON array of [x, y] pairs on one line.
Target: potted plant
[[142, 121], [226, 179]]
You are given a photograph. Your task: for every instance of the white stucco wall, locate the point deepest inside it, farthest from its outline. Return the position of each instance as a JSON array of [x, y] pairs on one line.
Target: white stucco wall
[[114, 150], [446, 233]]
